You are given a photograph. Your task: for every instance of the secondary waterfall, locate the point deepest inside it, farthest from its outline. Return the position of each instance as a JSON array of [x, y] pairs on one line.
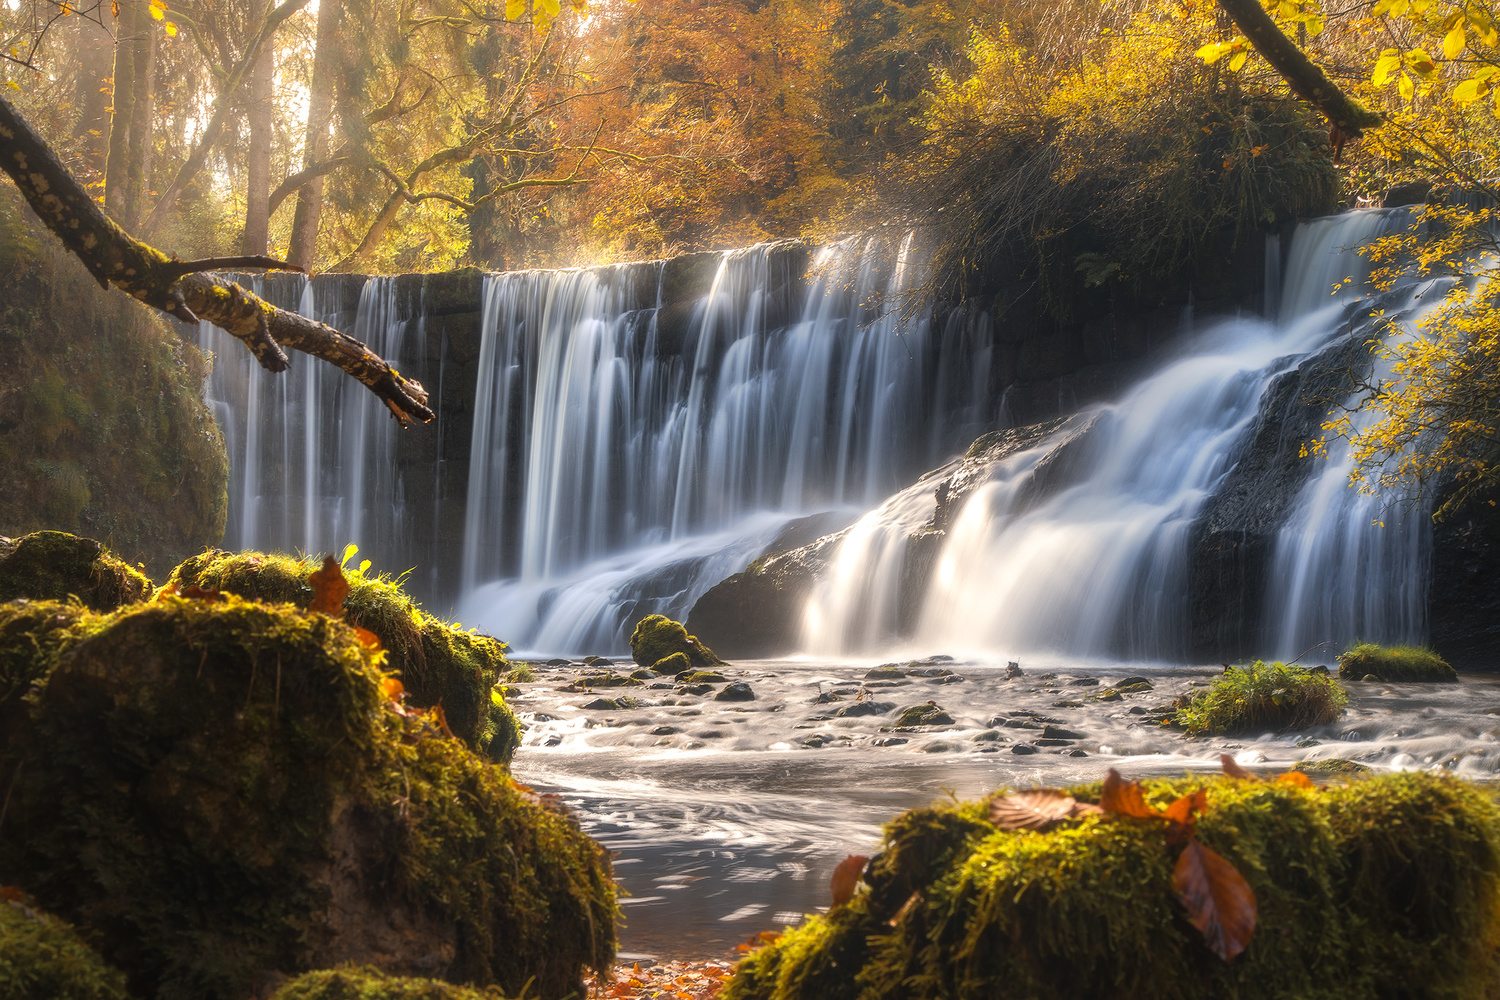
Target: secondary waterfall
[[1094, 562]]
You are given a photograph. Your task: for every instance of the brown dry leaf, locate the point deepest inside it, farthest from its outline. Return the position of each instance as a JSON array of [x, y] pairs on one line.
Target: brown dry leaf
[[329, 589], [1125, 798], [441, 718], [1232, 768], [1296, 778], [1219, 901], [1032, 809], [392, 688], [1183, 816], [846, 877], [368, 639], [206, 594]]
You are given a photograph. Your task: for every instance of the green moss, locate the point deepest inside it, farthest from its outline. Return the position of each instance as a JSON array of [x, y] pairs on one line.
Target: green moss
[[42, 958], [32, 634], [930, 714], [520, 674], [1333, 765], [676, 663], [657, 637], [366, 983], [703, 677], [53, 566], [1361, 888], [438, 663], [218, 789], [1263, 697], [1395, 663]]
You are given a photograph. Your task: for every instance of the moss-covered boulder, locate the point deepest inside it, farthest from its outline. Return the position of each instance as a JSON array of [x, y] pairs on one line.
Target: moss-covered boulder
[[676, 663], [54, 565], [42, 958], [439, 663], [1262, 697], [1378, 888], [220, 794], [657, 638], [1395, 663], [366, 983]]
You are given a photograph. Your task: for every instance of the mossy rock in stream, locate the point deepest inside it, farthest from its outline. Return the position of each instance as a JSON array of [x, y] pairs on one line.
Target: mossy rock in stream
[[366, 983], [1386, 887], [219, 794], [42, 958], [437, 662], [54, 565], [657, 638], [1395, 664]]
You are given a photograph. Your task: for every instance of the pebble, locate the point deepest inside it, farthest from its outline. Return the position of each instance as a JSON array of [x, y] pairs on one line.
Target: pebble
[[859, 708], [1023, 748], [889, 741], [738, 691]]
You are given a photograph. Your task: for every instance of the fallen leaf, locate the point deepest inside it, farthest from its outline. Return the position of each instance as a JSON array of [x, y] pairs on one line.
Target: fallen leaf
[[329, 589], [368, 639], [1232, 768], [393, 688], [1296, 778], [206, 594], [846, 877], [1183, 816], [441, 718], [1032, 809], [1219, 901], [1125, 798]]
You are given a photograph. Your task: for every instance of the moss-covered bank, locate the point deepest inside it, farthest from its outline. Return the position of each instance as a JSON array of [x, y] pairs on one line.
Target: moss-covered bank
[[437, 662], [103, 428], [1385, 887], [42, 958], [219, 793], [54, 565], [365, 983]]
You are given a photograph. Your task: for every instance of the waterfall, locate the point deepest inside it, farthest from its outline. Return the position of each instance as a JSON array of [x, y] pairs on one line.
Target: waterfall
[[1080, 545]]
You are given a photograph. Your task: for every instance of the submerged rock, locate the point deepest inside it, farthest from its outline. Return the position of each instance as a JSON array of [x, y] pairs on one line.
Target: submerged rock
[[54, 565], [657, 638], [738, 691], [221, 792], [930, 714], [859, 708]]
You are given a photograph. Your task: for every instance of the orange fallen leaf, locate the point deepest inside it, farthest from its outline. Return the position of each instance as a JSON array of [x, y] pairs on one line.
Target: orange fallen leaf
[[1296, 778], [392, 688], [846, 877], [1232, 768], [1183, 816], [367, 638], [329, 589], [1219, 901], [441, 718], [1036, 809], [1125, 798]]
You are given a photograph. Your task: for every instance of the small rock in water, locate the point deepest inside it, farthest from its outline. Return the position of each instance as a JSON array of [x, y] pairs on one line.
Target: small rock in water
[[694, 688], [1044, 742], [1319, 669], [1024, 748], [930, 714], [1078, 753], [885, 672], [611, 704], [825, 697], [1137, 710], [554, 740], [928, 671], [947, 679], [1013, 670], [1304, 744], [817, 741], [988, 736], [889, 741], [598, 661], [1058, 733], [738, 691], [1084, 682], [1020, 724], [664, 731], [1108, 694], [1067, 704], [1132, 684], [702, 677], [938, 748], [558, 661], [858, 708], [1369, 679]]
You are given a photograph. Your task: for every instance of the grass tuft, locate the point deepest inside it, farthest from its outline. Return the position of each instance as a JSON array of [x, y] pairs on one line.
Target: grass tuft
[[1263, 697]]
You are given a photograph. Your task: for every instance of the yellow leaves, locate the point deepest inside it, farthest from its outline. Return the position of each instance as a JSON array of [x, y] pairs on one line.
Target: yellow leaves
[[158, 10], [1406, 87], [1456, 40], [1385, 66], [515, 9], [1422, 64], [1476, 86], [1237, 49]]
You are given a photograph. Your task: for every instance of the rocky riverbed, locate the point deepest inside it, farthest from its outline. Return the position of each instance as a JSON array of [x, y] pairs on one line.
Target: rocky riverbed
[[728, 813]]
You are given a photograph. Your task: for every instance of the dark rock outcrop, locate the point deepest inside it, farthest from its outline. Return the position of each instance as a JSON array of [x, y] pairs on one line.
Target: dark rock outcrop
[[1464, 600]]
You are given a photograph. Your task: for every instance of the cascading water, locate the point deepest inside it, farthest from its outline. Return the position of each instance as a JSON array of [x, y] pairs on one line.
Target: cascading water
[[621, 467], [1079, 546]]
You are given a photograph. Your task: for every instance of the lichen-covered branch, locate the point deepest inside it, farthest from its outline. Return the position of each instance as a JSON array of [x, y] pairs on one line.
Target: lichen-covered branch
[[1347, 116], [116, 258]]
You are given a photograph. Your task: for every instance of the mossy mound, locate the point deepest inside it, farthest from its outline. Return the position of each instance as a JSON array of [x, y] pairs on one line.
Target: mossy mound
[[42, 958], [32, 633], [1395, 663], [54, 565], [929, 714], [437, 662], [1332, 766], [1262, 697], [677, 663], [219, 792], [1364, 890], [658, 637], [366, 983]]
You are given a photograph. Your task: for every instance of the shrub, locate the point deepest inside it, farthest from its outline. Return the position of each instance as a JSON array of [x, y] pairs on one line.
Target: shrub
[[1263, 697], [366, 983], [1382, 887], [438, 663], [1395, 663], [219, 788], [42, 958]]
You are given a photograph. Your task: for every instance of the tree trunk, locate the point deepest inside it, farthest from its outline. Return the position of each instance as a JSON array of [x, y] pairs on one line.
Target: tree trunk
[[117, 167], [95, 50], [258, 159], [309, 212]]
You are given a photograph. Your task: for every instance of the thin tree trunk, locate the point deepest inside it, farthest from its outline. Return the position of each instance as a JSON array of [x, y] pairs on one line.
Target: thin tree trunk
[[142, 114], [258, 158], [117, 167], [309, 212], [91, 92]]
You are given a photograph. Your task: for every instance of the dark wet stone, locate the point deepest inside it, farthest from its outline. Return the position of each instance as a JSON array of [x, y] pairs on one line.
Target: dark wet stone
[[664, 731], [872, 685], [885, 672], [929, 672], [664, 685], [1108, 694], [598, 661], [1067, 704], [738, 691], [1304, 744], [1369, 679], [1084, 682], [938, 748], [1024, 748], [889, 741], [1319, 669], [1052, 743], [817, 741], [858, 708], [702, 677], [644, 674], [826, 697], [1013, 670], [1078, 753], [1058, 733], [988, 736], [611, 704], [1132, 684], [949, 679], [694, 688], [1137, 710], [553, 740], [710, 734], [1021, 724], [558, 661], [930, 714]]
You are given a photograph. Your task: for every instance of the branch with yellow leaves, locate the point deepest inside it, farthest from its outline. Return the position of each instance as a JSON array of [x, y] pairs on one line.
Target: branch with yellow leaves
[[186, 289]]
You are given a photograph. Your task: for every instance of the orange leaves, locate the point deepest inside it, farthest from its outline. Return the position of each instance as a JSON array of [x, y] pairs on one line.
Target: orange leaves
[[1296, 778], [846, 877], [392, 688], [329, 589], [1217, 898], [1037, 809], [1233, 770], [679, 980], [1124, 798]]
